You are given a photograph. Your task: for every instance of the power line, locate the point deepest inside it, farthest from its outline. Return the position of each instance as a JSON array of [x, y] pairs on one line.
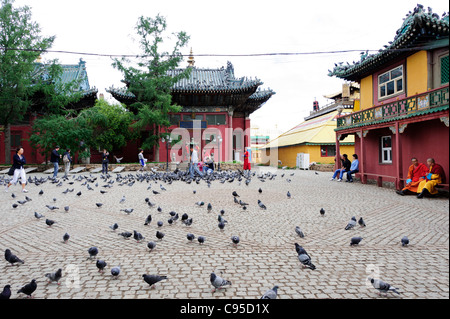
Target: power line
[[217, 55]]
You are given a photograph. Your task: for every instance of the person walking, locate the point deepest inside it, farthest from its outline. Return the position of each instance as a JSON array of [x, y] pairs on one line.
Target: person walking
[[105, 161], [247, 165], [193, 167], [141, 159], [54, 158], [19, 171], [67, 159]]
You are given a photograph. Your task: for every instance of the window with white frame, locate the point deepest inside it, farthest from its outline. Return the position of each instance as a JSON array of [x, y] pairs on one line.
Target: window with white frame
[[390, 83], [386, 149]]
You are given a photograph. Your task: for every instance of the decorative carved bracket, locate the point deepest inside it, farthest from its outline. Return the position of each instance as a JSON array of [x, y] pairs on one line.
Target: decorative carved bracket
[[402, 128], [359, 134], [365, 133], [392, 128], [445, 120]]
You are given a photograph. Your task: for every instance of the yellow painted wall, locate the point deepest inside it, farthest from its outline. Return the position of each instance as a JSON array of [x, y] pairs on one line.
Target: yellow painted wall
[[417, 73], [356, 105], [366, 93], [288, 155]]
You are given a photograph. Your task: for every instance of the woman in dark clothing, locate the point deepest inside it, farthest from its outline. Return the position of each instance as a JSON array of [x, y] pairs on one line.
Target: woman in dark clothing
[[18, 162], [346, 164], [105, 161]]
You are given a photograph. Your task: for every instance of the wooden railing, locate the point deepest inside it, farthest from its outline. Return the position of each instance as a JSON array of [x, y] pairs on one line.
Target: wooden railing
[[407, 106]]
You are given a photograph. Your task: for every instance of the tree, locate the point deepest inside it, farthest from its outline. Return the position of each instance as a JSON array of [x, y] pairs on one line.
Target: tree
[[20, 45], [110, 124], [153, 77], [69, 132]]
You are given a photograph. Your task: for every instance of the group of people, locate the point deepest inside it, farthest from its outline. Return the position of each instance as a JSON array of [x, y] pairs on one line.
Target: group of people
[[347, 167], [422, 179]]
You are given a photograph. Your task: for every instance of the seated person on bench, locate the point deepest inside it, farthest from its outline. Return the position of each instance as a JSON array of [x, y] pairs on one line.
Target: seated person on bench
[[436, 175], [416, 173]]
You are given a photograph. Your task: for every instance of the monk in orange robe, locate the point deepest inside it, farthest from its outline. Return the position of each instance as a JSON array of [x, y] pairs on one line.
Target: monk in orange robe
[[436, 175], [416, 173]]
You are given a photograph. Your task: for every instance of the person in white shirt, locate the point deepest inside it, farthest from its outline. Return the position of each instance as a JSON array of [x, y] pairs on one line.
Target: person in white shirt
[[193, 166]]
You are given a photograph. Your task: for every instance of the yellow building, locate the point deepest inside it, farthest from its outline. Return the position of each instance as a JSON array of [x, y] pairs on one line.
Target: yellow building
[[315, 136]]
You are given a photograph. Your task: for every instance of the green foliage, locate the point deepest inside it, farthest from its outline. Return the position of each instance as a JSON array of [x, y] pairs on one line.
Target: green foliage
[[153, 77], [74, 133], [110, 124]]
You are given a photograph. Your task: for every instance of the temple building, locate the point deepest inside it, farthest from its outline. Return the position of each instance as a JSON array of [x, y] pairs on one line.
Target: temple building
[[315, 136], [215, 115], [404, 104], [21, 130]]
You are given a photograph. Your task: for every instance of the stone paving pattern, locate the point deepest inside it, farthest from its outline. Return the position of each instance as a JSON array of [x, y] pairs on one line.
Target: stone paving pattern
[[265, 257]]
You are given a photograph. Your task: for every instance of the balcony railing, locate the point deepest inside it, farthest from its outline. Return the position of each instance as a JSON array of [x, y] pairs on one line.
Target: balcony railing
[[395, 110]]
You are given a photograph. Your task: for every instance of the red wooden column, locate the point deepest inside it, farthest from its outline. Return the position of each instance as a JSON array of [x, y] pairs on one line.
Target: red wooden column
[[337, 163], [398, 158], [361, 156]]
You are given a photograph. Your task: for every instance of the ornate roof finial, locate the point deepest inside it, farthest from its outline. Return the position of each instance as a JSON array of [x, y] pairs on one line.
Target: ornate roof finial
[[191, 60]]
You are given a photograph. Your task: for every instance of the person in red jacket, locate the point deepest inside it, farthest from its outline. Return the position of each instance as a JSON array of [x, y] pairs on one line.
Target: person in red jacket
[[247, 165]]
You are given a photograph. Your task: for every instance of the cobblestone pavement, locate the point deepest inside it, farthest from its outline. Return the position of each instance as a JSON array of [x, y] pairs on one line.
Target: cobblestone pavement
[[265, 256]]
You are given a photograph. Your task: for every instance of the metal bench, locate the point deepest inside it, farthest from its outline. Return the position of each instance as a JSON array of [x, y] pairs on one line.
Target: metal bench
[[30, 169], [4, 171], [96, 170]]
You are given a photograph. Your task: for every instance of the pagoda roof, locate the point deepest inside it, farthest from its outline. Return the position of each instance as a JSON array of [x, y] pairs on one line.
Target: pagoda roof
[[421, 30], [210, 87], [70, 72]]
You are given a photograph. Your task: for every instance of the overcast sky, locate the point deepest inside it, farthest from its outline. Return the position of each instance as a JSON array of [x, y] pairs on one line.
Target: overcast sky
[[234, 27]]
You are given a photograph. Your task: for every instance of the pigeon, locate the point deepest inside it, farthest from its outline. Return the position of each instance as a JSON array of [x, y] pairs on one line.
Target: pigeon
[[122, 200], [13, 195], [21, 202], [209, 207], [148, 220], [261, 205], [115, 271], [29, 288], [151, 245], [361, 222], [159, 235], [114, 227], [137, 236], [235, 194], [306, 261], [160, 223], [405, 241], [11, 258], [382, 286], [51, 207], [299, 232], [221, 225], [194, 191], [127, 210], [54, 199], [190, 237], [6, 293], [260, 190], [79, 193], [41, 192], [170, 221], [66, 238], [201, 239], [153, 279], [200, 203], [101, 265], [188, 222], [162, 187], [235, 240], [271, 293], [49, 222], [66, 209], [99, 204], [38, 216], [351, 223], [103, 192], [355, 241], [322, 212], [159, 209], [155, 192], [222, 212], [218, 282], [126, 234], [93, 251], [54, 276]]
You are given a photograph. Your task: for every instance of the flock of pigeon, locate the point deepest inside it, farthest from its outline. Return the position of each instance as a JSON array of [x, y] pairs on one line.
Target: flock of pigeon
[[167, 178]]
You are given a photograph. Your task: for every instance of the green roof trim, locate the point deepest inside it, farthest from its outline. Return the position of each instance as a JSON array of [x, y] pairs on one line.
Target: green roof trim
[[421, 30]]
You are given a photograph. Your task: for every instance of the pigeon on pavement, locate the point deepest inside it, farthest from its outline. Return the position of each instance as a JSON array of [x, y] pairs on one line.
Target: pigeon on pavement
[[271, 293], [153, 279], [93, 251], [101, 264], [218, 282], [114, 227], [299, 232], [54, 276], [29, 288], [151, 245], [6, 293], [115, 272], [382, 286], [355, 241], [405, 241], [361, 222], [11, 258], [351, 223]]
